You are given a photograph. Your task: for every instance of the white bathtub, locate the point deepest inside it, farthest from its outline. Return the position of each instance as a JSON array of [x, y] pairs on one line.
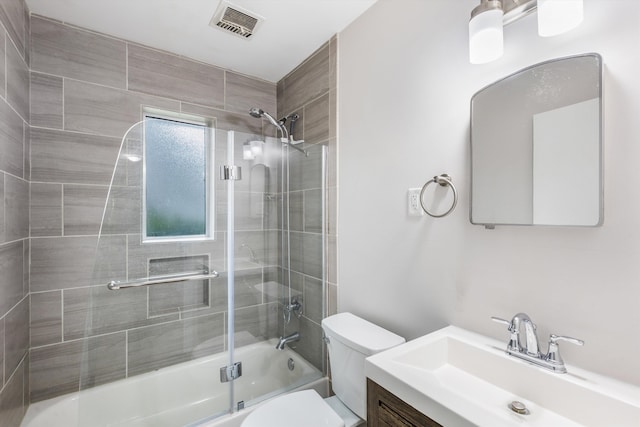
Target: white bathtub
[[181, 394]]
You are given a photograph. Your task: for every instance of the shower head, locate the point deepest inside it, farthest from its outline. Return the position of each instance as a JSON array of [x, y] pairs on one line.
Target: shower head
[[256, 112], [259, 113]]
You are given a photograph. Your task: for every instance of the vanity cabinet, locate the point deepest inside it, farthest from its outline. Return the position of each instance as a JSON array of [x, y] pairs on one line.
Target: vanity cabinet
[[386, 409]]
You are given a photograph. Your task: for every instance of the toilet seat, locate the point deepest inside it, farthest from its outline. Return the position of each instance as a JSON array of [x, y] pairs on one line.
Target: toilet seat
[[302, 408]]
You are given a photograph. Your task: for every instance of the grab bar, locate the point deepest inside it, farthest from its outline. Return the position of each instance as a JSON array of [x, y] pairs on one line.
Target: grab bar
[[114, 285]]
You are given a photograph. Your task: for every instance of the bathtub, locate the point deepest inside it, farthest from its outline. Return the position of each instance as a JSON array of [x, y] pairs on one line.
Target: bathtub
[[182, 393]]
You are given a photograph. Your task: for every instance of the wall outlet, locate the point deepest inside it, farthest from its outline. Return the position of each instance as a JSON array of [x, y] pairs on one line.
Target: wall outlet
[[413, 200]]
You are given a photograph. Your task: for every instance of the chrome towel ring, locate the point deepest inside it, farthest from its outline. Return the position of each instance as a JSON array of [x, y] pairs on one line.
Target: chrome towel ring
[[444, 180]]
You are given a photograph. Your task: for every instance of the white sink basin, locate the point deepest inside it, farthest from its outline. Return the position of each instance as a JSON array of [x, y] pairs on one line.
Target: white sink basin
[[459, 378]]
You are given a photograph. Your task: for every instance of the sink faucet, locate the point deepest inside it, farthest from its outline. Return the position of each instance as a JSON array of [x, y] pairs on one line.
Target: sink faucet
[[531, 336], [286, 340], [531, 351]]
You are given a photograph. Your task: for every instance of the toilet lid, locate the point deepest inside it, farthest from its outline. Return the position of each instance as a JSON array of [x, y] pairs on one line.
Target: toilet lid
[[303, 408]]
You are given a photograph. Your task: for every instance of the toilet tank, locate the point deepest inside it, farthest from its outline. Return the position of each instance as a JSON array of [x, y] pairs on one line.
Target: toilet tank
[[351, 340]]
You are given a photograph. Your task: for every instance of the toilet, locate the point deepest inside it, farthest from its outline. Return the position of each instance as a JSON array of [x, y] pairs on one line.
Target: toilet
[[350, 340]]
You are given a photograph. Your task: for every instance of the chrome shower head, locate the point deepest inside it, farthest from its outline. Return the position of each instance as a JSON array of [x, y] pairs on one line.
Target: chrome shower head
[[256, 112], [259, 113]]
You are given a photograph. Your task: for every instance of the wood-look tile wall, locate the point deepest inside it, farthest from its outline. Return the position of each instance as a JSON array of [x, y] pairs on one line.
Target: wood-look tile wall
[[67, 96], [310, 90], [14, 208], [87, 89]]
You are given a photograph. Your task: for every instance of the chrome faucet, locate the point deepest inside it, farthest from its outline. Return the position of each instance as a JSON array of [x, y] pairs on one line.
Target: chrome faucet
[[531, 351], [515, 343], [286, 340]]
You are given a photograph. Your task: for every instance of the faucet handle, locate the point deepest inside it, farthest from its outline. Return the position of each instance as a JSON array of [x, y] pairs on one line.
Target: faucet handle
[[514, 341], [503, 321], [553, 339], [553, 354]]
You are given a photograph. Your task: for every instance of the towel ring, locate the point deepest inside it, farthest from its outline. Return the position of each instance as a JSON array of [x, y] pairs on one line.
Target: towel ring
[[444, 180]]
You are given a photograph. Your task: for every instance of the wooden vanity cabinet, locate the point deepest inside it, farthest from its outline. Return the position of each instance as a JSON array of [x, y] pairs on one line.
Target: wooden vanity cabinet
[[385, 409]]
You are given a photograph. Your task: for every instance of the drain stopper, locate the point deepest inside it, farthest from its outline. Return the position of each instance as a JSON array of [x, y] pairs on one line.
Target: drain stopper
[[518, 407]]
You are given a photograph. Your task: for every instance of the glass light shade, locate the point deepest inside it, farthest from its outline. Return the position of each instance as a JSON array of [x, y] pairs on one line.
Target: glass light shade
[[485, 37], [558, 16]]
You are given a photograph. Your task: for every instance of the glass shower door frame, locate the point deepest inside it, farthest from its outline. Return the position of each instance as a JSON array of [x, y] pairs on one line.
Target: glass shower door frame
[[228, 174]]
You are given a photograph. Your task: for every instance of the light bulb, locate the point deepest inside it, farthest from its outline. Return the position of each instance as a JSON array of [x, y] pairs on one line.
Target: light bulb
[[485, 36], [558, 16]]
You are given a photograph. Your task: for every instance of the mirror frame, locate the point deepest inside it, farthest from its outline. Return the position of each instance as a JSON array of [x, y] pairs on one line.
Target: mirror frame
[[600, 64]]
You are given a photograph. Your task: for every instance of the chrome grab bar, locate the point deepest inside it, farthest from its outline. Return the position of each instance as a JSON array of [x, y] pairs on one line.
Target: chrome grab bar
[[114, 285]]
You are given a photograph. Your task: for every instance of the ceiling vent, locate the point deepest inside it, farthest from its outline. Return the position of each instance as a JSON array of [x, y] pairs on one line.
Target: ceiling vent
[[236, 20]]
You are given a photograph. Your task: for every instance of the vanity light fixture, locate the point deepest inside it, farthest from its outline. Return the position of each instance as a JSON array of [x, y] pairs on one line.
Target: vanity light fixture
[[490, 16], [485, 32], [558, 16]]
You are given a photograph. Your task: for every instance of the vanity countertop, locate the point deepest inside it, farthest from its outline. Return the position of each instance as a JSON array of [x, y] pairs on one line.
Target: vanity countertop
[[461, 378]]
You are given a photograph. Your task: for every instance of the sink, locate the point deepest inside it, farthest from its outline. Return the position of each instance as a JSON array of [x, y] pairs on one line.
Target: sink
[[460, 378]]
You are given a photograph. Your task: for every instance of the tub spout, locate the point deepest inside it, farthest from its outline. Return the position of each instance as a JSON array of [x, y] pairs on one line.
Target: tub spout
[[286, 340]]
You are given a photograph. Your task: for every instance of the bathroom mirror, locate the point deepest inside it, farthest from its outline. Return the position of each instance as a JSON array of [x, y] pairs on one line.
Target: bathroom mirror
[[536, 146]]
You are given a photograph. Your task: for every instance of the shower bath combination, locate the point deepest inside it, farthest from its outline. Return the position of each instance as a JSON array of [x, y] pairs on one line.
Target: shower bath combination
[[150, 343]]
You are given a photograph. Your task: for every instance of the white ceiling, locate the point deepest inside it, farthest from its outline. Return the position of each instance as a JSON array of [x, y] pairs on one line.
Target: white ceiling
[[290, 32]]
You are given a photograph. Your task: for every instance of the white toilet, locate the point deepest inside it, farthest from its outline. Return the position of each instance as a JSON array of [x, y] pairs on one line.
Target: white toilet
[[350, 340]]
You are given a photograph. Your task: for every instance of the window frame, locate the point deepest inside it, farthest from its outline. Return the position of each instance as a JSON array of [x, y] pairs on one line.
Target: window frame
[[209, 141]]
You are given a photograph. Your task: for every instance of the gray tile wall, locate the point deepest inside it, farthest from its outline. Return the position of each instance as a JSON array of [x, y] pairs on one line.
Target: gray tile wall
[[14, 219], [76, 54], [87, 89], [310, 90]]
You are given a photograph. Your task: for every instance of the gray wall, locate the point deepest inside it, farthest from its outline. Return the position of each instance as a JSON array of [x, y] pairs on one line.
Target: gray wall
[[14, 211], [86, 90], [310, 90]]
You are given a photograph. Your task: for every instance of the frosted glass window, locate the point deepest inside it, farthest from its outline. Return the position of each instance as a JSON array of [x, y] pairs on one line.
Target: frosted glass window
[[176, 165]]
